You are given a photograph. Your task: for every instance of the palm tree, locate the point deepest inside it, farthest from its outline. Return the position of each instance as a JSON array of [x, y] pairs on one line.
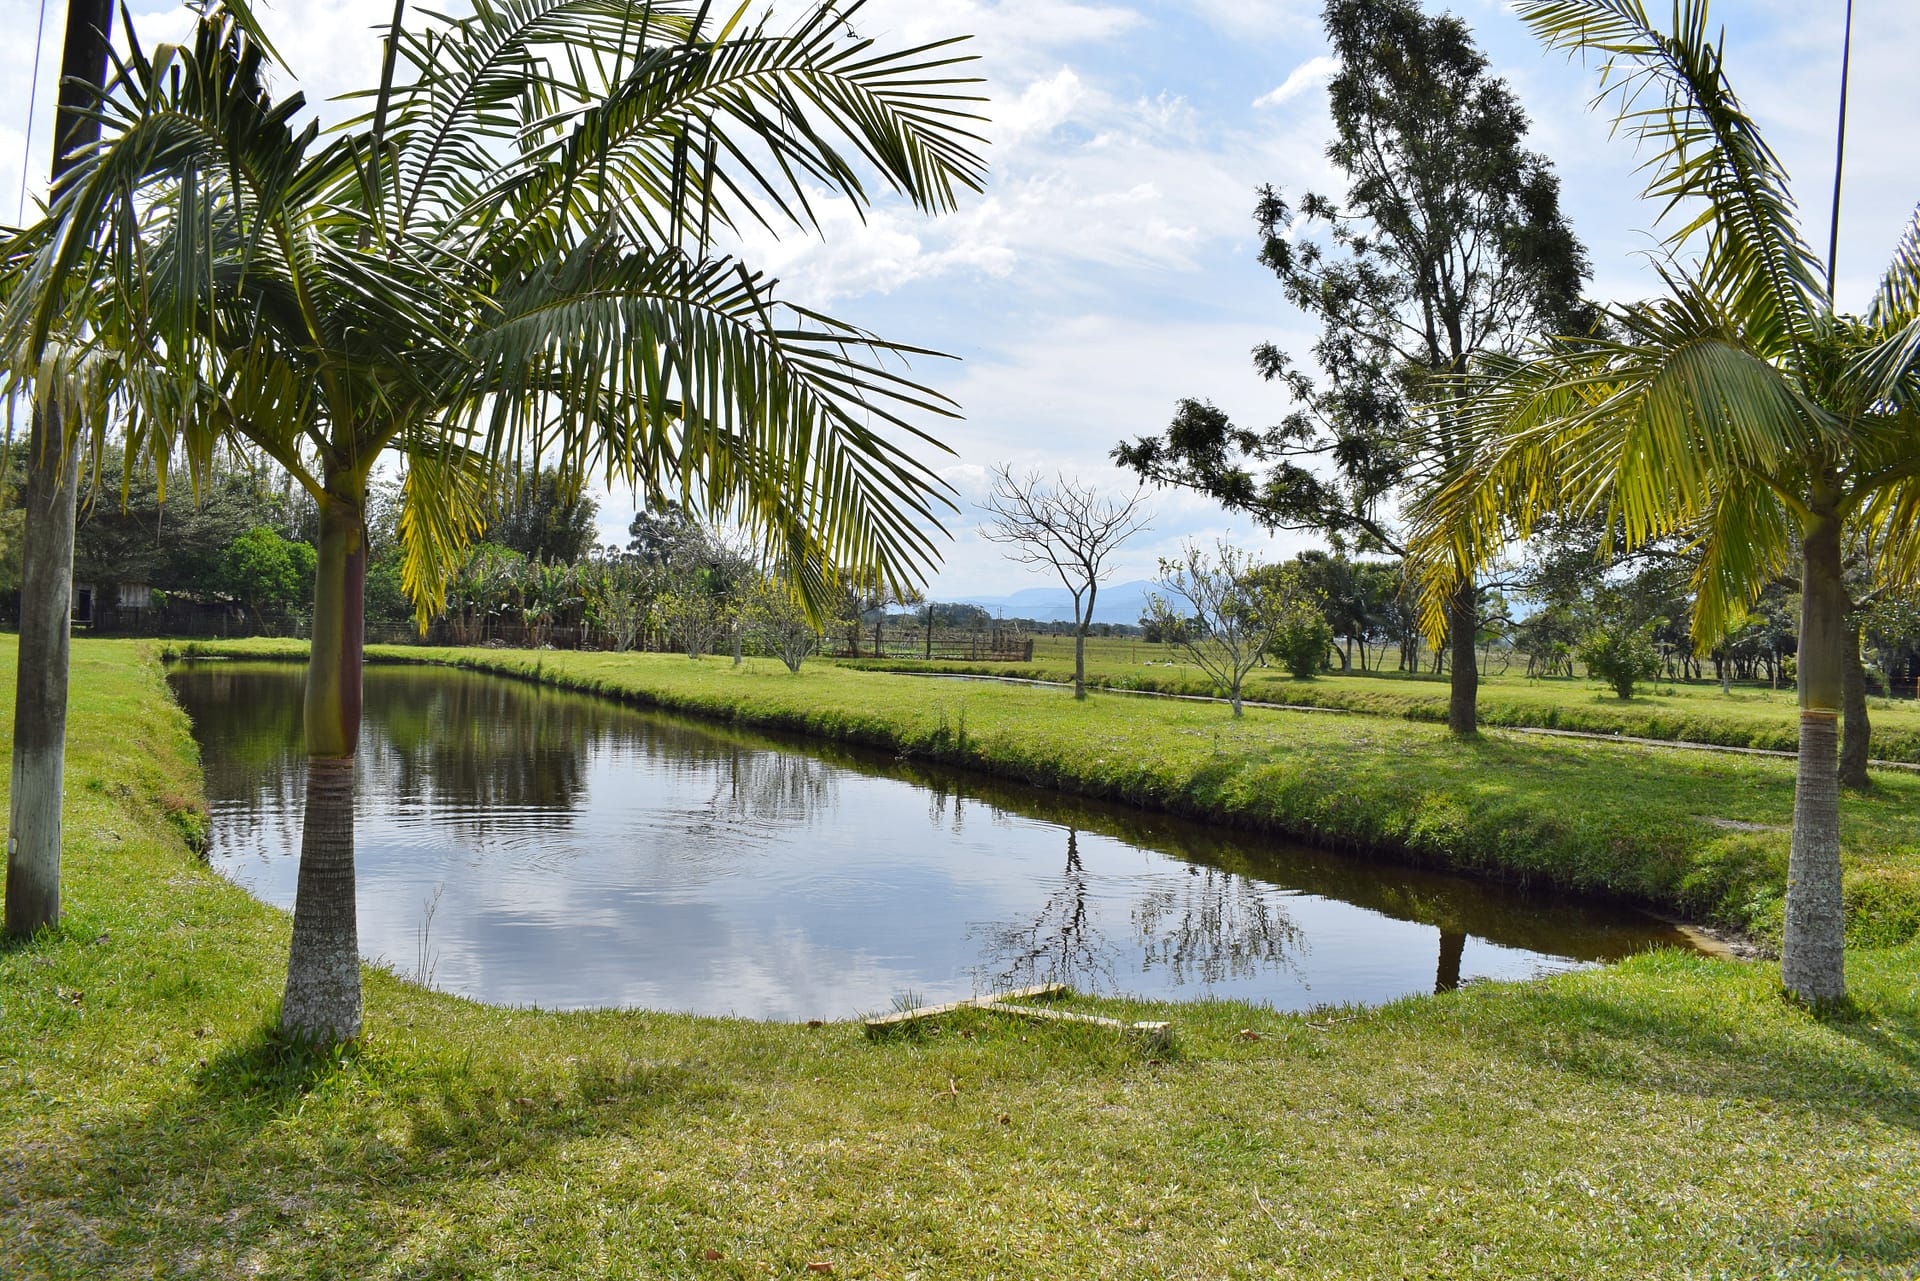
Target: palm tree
[[511, 257], [46, 579], [1740, 410]]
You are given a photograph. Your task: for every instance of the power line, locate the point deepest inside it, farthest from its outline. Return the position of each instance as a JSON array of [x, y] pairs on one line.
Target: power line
[[33, 94]]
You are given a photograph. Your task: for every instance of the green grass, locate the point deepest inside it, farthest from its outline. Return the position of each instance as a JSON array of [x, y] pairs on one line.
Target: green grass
[[1747, 716], [1667, 827], [1670, 1117]]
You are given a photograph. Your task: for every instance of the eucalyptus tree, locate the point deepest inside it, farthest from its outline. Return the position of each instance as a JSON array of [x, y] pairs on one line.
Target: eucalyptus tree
[[512, 256], [1449, 243], [1740, 410]]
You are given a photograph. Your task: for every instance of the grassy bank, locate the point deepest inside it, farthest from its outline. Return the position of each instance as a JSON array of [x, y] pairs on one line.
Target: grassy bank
[[1700, 834], [1747, 716], [1670, 1117]]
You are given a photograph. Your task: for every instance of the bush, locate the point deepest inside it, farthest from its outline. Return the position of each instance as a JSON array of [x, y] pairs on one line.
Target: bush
[[1621, 656], [1301, 641]]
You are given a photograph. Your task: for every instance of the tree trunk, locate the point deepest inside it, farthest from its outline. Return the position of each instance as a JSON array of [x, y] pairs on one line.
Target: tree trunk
[[1812, 954], [46, 554], [40, 678], [1463, 618], [323, 970], [1856, 732], [322, 1003]]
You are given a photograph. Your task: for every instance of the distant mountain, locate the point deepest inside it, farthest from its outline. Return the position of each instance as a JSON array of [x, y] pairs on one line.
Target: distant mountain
[[1116, 603]]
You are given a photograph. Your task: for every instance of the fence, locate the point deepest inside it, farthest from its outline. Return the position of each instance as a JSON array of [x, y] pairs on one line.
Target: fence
[[1001, 645]]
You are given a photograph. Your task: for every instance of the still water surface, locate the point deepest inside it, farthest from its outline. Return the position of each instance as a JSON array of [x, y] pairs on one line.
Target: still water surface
[[528, 846]]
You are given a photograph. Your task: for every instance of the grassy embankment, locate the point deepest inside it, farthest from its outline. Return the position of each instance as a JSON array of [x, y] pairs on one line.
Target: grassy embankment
[[1669, 1117], [1747, 716], [1671, 828]]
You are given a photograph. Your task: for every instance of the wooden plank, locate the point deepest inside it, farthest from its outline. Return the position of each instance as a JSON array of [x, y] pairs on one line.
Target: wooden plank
[[888, 1022], [1158, 1035]]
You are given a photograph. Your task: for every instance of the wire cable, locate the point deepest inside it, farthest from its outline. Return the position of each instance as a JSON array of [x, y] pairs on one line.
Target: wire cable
[[33, 93]]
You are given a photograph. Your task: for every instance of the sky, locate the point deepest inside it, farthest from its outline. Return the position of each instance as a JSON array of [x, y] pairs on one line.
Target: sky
[[1108, 269]]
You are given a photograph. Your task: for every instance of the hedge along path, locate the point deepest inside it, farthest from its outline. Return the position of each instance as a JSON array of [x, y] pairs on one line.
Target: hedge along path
[[1676, 743], [1689, 833], [1695, 713]]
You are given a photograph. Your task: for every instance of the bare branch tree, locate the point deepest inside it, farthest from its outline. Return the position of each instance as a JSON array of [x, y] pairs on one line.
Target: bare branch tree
[[1068, 528]]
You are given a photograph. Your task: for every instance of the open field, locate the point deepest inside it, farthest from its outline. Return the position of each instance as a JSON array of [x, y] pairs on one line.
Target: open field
[[1701, 834], [1694, 713], [1670, 1117]]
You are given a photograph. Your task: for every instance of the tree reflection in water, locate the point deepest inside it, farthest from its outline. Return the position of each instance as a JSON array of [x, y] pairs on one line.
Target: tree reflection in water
[[1205, 927], [1213, 924], [1060, 944], [1452, 945], [758, 788]]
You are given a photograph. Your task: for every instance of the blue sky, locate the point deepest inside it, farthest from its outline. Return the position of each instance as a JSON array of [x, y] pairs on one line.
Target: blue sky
[[1108, 269]]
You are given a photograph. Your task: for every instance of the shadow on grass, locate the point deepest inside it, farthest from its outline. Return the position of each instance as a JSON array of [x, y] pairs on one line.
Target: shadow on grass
[[1840, 1242], [1862, 1060], [66, 930], [266, 1135]]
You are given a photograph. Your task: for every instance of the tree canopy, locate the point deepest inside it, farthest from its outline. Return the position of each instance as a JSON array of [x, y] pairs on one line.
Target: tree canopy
[[1449, 243]]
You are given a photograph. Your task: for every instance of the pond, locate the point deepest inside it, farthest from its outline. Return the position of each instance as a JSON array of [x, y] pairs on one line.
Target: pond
[[527, 846]]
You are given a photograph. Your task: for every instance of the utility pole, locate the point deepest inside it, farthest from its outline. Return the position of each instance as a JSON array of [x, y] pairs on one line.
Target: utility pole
[[46, 577]]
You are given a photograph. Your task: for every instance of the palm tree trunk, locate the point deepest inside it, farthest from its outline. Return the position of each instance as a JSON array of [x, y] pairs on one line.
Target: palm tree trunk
[[1812, 954], [46, 559], [1856, 731], [322, 1003], [1463, 690], [40, 679], [323, 969]]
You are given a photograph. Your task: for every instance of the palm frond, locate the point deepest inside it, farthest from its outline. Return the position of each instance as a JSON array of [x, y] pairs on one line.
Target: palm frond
[[1890, 369], [1708, 159], [1648, 429], [677, 127], [689, 379], [443, 509]]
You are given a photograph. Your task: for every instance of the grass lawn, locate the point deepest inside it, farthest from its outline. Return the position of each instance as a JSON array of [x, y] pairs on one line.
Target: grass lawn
[[1747, 716], [1670, 1117]]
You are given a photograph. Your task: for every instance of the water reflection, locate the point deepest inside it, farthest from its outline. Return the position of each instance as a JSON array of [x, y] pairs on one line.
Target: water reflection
[[530, 846]]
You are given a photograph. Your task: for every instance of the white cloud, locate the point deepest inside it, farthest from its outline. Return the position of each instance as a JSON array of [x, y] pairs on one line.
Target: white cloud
[[1036, 111], [1309, 74]]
